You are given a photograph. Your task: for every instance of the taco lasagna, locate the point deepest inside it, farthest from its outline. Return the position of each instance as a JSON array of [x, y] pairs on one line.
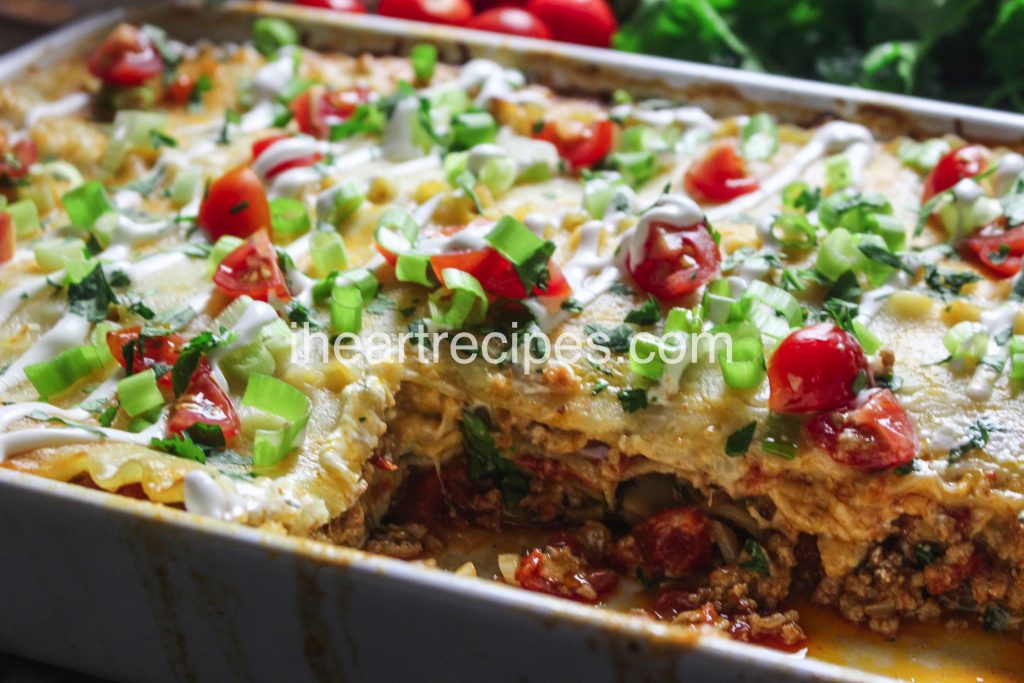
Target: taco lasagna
[[387, 301]]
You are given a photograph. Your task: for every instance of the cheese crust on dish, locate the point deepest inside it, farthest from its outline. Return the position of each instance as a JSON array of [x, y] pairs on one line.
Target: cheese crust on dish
[[373, 300]]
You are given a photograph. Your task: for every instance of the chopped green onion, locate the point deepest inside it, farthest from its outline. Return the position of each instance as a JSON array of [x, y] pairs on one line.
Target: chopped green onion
[[139, 393], [292, 90], [348, 197], [461, 302], [455, 100], [645, 356], [86, 203], [454, 166], [922, 156], [472, 129], [759, 137], [328, 252], [837, 254], [135, 126], [966, 341], [57, 375], [98, 337], [597, 196], [270, 34], [779, 299], [640, 139], [221, 248], [746, 370], [1017, 357], [877, 272], [499, 174], [113, 155], [781, 434], [799, 196], [527, 252], [397, 231], [54, 254], [890, 229], [794, 230], [105, 227], [868, 340], [760, 315], [183, 189], [851, 210], [684, 320], [25, 216], [838, 174], [288, 218], [346, 310], [414, 268], [271, 395], [717, 302], [636, 167], [76, 271], [424, 60]]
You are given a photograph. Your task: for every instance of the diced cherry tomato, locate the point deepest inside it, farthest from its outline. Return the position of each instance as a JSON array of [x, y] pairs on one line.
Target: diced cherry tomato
[[15, 161], [580, 144], [720, 175], [1000, 252], [963, 162], [511, 20], [355, 6], [674, 542], [7, 237], [455, 12], [204, 402], [874, 435], [814, 369], [677, 260], [180, 89], [252, 269], [126, 57], [235, 204], [535, 574], [163, 349], [317, 109], [497, 275], [585, 22], [260, 146]]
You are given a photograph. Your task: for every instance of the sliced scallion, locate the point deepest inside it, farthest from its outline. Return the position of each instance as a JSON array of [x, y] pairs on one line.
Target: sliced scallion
[[328, 252], [460, 302], [966, 341], [54, 254], [269, 34], [139, 393], [221, 248], [472, 129], [25, 216], [86, 203], [57, 375], [424, 60], [271, 395], [288, 218], [414, 268]]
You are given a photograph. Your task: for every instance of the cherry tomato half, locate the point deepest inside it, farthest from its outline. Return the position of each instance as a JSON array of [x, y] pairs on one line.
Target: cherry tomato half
[[317, 109], [455, 12], [814, 369], [677, 260], [511, 20], [1001, 252], [355, 6], [126, 57], [163, 349], [720, 175], [261, 146], [874, 435], [536, 572], [674, 542], [580, 144], [15, 161], [963, 162], [7, 238], [235, 204], [204, 402], [497, 275], [584, 22], [252, 270]]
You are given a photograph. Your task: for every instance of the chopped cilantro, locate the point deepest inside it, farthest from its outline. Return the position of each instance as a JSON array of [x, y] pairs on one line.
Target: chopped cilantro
[[158, 139], [758, 562], [92, 297], [739, 441], [599, 386], [948, 283], [977, 438], [183, 447], [648, 314], [380, 304], [615, 339], [633, 400], [571, 305], [486, 462], [996, 618]]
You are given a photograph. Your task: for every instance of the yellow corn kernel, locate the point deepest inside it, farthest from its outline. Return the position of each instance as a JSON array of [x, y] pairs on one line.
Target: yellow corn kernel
[[299, 374], [522, 211], [484, 196], [381, 190], [574, 218], [466, 569], [337, 376], [454, 209], [429, 189], [908, 304], [958, 310]]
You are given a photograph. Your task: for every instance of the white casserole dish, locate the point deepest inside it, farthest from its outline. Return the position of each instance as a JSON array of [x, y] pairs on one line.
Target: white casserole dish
[[133, 591]]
